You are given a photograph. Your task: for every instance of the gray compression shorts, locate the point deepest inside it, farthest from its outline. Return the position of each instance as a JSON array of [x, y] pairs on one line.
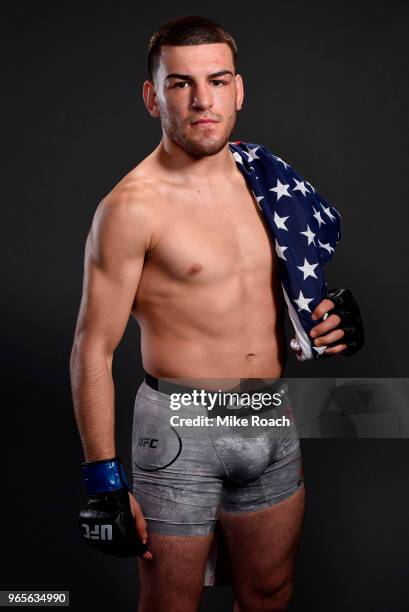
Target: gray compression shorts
[[182, 474]]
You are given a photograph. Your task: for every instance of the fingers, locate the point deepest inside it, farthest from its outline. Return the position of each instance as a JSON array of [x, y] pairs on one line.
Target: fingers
[[325, 326], [333, 336], [330, 323], [322, 308], [333, 350], [141, 527], [140, 522]]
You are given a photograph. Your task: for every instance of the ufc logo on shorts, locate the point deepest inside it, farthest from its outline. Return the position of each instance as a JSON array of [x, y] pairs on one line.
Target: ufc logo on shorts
[[100, 532], [151, 442]]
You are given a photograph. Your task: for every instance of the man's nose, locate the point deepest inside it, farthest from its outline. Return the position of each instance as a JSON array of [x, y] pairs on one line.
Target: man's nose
[[202, 97]]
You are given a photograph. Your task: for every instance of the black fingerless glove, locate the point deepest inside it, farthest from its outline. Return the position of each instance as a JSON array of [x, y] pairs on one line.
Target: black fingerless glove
[[106, 523], [347, 309]]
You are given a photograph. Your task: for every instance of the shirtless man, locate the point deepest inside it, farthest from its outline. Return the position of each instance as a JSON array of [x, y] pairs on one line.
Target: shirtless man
[[180, 244]]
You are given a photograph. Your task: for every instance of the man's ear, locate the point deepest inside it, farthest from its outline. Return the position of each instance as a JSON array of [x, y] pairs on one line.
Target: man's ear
[[240, 91], [150, 99]]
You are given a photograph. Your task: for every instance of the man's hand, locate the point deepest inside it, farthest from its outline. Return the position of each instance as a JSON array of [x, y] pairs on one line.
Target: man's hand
[[342, 330], [112, 521], [327, 332]]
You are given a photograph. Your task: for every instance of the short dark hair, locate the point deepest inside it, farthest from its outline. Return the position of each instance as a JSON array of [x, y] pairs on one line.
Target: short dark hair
[[190, 30]]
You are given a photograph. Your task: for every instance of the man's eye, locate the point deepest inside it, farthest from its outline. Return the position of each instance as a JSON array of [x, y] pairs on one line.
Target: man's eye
[[216, 82]]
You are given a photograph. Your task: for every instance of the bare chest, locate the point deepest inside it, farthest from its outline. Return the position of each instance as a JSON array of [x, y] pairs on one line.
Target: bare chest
[[204, 236]]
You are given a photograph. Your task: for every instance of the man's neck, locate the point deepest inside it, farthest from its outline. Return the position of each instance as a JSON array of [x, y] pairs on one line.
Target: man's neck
[[174, 159]]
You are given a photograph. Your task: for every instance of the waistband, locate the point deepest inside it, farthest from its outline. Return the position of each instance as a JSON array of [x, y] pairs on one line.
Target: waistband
[[247, 386]]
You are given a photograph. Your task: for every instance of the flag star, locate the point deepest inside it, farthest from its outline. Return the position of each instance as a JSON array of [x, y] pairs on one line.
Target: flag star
[[317, 215], [238, 157], [309, 185], [282, 161], [302, 302], [300, 187], [308, 269], [281, 189], [251, 154], [320, 349], [310, 235], [327, 212], [280, 221], [280, 250], [326, 246]]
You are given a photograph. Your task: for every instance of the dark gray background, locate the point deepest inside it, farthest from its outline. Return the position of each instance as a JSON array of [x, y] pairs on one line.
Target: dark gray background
[[326, 89]]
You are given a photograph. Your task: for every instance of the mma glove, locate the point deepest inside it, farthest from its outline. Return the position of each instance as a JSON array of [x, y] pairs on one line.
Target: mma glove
[[347, 309], [106, 523]]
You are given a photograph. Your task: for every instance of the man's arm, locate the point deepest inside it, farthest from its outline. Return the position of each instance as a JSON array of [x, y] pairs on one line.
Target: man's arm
[[115, 249]]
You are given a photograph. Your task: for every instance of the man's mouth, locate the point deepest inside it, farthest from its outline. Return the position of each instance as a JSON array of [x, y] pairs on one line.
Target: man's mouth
[[204, 121]]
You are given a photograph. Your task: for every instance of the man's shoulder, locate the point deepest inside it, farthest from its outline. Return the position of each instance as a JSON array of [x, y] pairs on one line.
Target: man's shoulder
[[124, 218], [134, 195], [251, 151], [245, 145]]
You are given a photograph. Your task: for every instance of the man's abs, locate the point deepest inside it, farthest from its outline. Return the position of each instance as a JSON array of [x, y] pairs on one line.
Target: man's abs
[[229, 330]]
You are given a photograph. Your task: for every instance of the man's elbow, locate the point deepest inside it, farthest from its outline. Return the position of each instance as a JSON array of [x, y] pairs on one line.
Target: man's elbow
[[86, 350]]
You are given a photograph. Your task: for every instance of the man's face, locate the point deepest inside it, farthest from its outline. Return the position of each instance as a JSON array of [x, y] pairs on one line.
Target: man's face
[[194, 83]]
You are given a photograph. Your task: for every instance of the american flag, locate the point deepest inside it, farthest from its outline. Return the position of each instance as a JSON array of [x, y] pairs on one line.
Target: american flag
[[304, 228]]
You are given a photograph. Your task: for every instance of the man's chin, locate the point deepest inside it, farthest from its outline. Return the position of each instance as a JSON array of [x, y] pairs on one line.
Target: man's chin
[[204, 147], [201, 149]]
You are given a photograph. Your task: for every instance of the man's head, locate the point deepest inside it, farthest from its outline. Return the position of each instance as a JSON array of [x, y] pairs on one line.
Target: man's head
[[192, 65]]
